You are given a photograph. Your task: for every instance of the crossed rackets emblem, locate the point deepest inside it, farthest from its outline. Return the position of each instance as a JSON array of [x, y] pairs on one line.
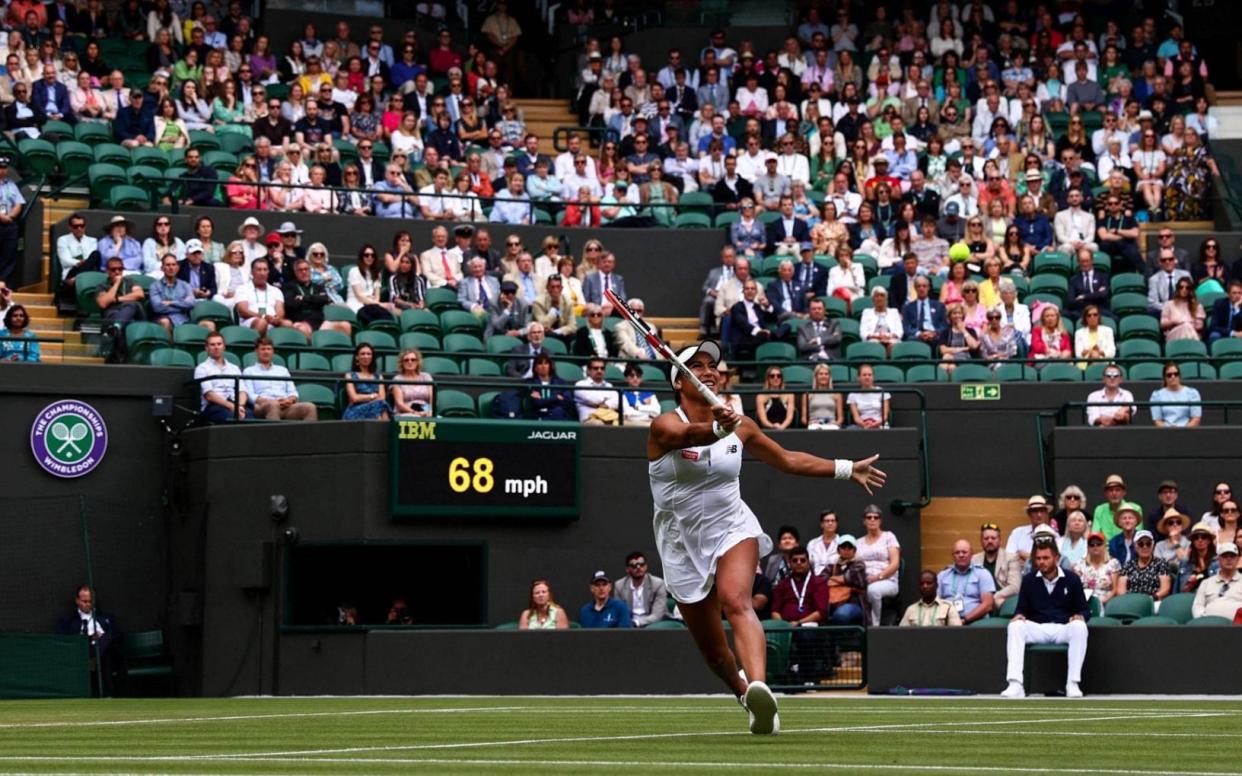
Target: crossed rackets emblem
[[69, 437]]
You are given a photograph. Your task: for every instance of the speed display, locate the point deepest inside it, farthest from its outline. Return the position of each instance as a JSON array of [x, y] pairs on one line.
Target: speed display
[[483, 468]]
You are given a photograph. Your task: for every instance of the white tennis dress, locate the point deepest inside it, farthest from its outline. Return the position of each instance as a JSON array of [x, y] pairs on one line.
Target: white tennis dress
[[699, 514]]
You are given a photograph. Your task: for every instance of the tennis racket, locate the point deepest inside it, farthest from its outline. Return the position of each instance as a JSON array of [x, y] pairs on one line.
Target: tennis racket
[[646, 332]]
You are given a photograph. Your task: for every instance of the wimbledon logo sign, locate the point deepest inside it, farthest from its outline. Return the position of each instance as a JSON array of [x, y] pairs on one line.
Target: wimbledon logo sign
[[69, 438]]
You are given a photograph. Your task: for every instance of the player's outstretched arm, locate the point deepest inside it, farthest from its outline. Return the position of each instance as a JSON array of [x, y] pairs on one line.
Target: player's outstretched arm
[[763, 447]]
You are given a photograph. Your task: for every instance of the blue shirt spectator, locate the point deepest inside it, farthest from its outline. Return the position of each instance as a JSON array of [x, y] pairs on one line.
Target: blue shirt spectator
[[964, 589], [604, 611], [1035, 229], [1175, 404], [171, 300], [401, 200], [512, 204]]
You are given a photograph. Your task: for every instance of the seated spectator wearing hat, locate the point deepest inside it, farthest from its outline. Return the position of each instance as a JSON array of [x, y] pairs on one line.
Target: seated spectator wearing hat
[[1168, 496], [1104, 519], [1097, 570], [1144, 573], [507, 314], [847, 584], [1052, 609], [1200, 562], [272, 390], [116, 242], [171, 298], [305, 301], [969, 589], [198, 273], [1126, 521], [604, 611], [930, 610], [1221, 594], [1037, 511], [1174, 548]]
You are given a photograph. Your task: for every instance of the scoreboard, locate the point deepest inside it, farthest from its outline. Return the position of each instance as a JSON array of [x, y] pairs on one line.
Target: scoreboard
[[459, 467]]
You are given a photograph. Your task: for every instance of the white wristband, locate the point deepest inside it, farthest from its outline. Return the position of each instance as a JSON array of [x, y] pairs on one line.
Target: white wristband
[[720, 431], [842, 468]]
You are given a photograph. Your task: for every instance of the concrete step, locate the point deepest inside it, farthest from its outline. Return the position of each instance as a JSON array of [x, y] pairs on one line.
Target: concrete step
[[30, 299], [948, 519]]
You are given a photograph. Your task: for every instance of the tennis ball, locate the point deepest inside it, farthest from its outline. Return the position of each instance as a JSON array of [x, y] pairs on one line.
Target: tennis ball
[[959, 252]]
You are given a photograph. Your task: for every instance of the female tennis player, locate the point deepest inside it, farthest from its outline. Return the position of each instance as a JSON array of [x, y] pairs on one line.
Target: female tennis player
[[708, 539]]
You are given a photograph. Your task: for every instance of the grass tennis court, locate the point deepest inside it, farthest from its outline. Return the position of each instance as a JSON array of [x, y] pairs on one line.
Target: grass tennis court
[[619, 735]]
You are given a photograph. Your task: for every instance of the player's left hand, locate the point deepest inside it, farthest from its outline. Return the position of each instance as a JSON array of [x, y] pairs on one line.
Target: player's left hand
[[726, 417], [868, 476]]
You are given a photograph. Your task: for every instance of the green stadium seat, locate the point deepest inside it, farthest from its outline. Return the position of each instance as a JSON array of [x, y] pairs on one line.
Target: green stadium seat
[[239, 337], [460, 322], [482, 367], [381, 341], [1104, 621], [1053, 284], [207, 310], [1210, 621], [885, 373], [250, 358], [653, 374], [328, 339], [438, 300], [229, 356], [568, 371], [1141, 326], [911, 350], [1094, 373], [1183, 349], [1060, 373], [55, 131], [1009, 608], [439, 365], [1155, 620], [204, 141], [1044, 297], [37, 156], [1015, 373], [696, 202], [112, 153], [130, 197], [1128, 304], [145, 658], [727, 219], [287, 340], [1208, 298], [309, 361], [776, 351], [1147, 370], [484, 403], [1129, 607], [420, 320], [768, 216], [849, 331], [1127, 283], [797, 374], [1227, 349], [463, 343], [972, 373], [322, 397], [171, 357], [879, 280], [220, 160], [235, 143], [869, 264], [102, 176], [843, 373], [190, 337], [865, 351], [1178, 607], [1138, 348], [692, 221], [142, 337], [1197, 370], [455, 404], [74, 157], [835, 307], [670, 625], [1229, 371], [149, 156], [1053, 262], [922, 373], [555, 347], [420, 340], [341, 313]]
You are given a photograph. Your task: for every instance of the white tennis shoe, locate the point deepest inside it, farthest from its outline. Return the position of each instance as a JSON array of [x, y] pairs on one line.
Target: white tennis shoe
[[1014, 690], [760, 705]]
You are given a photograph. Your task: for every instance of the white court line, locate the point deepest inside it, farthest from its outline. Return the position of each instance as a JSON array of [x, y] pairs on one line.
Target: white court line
[[244, 717], [757, 766], [802, 704], [259, 756]]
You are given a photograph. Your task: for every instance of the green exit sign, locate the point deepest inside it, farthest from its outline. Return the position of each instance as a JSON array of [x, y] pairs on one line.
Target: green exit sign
[[988, 392]]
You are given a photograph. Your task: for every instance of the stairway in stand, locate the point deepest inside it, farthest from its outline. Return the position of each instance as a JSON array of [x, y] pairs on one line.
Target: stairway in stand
[[948, 519], [678, 332], [543, 117], [45, 319]]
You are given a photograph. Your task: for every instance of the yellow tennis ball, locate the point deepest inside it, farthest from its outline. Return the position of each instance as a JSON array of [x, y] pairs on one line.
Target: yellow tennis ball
[[959, 252]]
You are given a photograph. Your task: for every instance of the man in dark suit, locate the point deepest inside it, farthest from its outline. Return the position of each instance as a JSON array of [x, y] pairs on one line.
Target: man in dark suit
[[786, 234], [923, 318], [819, 339], [1087, 286], [684, 100], [1052, 609], [100, 628], [925, 199], [749, 321], [1227, 314], [519, 367], [732, 188], [810, 279], [605, 278], [52, 96], [900, 287], [784, 294]]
